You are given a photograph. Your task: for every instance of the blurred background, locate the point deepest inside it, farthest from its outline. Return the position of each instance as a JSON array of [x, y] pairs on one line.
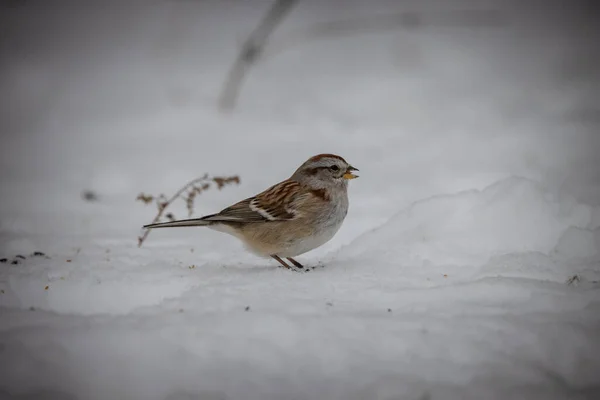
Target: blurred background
[[425, 97], [491, 293]]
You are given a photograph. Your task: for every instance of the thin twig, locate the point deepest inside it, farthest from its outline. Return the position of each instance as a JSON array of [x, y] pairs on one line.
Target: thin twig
[[163, 203], [161, 209], [251, 51]]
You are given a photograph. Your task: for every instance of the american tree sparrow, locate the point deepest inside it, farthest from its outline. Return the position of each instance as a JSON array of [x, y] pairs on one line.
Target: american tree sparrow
[[290, 218]]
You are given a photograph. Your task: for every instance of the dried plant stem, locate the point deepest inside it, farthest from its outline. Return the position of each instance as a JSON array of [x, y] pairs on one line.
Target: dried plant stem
[[193, 188], [251, 52], [167, 203]]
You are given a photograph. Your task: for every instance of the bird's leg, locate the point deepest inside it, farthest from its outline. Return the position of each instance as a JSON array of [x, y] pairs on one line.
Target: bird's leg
[[296, 263], [280, 261], [285, 264]]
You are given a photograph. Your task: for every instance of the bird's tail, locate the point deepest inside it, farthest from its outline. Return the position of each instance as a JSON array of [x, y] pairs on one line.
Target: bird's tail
[[180, 223]]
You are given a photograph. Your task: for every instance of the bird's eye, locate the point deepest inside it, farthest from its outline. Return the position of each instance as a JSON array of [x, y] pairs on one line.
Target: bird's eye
[[334, 168]]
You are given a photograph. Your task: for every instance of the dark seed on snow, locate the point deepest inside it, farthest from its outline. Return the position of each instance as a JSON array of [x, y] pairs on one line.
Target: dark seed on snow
[[20, 256], [15, 262], [389, 310], [247, 308], [3, 260], [89, 195], [38, 254]]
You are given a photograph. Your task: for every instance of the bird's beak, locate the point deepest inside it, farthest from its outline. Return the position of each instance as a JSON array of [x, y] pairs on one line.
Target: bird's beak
[[349, 174]]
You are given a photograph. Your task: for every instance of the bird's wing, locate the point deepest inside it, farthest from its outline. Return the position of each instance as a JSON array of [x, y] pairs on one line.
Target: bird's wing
[[277, 203]]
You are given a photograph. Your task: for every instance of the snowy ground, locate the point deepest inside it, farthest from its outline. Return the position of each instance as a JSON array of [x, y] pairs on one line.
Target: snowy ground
[[479, 198]]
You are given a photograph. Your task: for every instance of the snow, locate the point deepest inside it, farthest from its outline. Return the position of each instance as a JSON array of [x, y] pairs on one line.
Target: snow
[[577, 242], [510, 216], [467, 267]]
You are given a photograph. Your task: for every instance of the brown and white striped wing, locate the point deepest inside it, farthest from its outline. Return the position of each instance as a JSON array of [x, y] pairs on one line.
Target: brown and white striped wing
[[278, 203]]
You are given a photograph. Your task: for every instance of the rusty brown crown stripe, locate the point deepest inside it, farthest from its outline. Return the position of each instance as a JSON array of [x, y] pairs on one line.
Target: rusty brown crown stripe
[[320, 156]]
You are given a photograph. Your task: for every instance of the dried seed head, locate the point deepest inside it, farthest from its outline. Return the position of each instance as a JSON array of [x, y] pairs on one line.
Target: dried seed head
[[145, 198]]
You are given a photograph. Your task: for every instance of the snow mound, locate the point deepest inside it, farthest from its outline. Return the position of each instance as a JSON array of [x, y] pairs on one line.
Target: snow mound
[[579, 243], [514, 215]]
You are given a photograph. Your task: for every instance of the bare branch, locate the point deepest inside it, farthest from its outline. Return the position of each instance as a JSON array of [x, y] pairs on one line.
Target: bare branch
[[192, 187], [251, 51]]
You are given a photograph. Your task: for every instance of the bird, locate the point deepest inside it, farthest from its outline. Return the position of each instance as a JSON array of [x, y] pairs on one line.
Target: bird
[[290, 218]]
